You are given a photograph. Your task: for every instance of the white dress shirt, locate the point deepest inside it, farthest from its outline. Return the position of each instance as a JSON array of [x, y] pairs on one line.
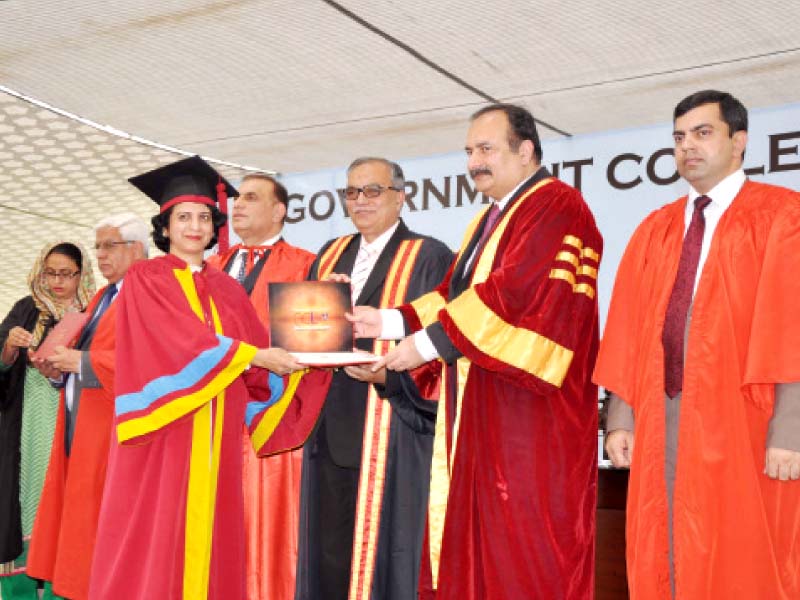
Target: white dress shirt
[[233, 270], [722, 196], [374, 248]]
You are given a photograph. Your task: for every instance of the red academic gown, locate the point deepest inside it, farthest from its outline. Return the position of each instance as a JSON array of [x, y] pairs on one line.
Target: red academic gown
[[736, 531], [271, 484], [171, 524], [66, 522], [518, 444]]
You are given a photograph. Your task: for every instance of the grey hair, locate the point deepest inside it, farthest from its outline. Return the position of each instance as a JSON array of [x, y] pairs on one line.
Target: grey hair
[[131, 228], [398, 179]]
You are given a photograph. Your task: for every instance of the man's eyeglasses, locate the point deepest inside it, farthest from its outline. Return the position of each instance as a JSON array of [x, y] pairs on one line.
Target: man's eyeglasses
[[372, 190], [109, 246], [61, 274]]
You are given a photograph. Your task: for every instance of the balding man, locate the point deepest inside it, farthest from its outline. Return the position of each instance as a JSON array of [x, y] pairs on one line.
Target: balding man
[[64, 532]]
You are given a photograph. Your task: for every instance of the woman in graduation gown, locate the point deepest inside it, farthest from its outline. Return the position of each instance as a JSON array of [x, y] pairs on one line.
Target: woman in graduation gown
[[171, 523], [60, 281]]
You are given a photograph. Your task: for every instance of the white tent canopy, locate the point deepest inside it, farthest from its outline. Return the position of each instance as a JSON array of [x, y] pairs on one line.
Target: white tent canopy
[[310, 84]]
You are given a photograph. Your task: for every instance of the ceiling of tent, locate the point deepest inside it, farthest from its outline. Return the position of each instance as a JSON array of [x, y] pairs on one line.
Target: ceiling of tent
[[304, 85]]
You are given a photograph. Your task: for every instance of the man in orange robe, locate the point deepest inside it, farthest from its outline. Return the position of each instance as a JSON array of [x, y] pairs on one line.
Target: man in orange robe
[[713, 508], [66, 523], [271, 484]]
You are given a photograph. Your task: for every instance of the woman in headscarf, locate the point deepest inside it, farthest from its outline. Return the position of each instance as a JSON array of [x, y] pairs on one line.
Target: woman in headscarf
[[60, 281]]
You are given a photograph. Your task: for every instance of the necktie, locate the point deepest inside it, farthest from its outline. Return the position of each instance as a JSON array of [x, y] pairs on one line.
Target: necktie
[[361, 270], [673, 335], [488, 225], [102, 306], [242, 267], [72, 380], [250, 255]]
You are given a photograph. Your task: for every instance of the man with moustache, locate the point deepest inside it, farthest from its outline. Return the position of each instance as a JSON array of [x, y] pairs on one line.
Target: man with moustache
[[701, 347], [515, 321], [271, 484], [64, 532], [366, 466]]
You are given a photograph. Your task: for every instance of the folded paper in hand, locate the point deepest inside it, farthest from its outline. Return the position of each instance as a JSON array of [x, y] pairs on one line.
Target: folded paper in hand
[[63, 334]]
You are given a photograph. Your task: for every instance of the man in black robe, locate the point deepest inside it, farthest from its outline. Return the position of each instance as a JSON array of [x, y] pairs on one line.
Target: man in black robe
[[367, 465]]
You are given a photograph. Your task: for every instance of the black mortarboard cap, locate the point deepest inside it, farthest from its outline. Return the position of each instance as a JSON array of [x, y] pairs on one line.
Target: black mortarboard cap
[[188, 180]]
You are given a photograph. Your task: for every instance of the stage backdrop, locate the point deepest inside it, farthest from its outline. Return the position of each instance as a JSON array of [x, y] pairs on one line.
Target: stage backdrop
[[623, 175]]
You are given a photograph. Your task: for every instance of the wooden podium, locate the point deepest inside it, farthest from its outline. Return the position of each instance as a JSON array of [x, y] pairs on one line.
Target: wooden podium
[[611, 582]]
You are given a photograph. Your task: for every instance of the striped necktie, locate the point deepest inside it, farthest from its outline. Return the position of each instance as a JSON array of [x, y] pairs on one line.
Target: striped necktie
[[249, 256], [361, 271]]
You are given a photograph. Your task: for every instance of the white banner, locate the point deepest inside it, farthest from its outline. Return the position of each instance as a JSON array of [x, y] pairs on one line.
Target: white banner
[[624, 175]]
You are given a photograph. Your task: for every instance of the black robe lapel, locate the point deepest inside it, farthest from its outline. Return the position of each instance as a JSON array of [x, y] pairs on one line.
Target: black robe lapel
[[347, 260], [249, 282], [458, 273], [231, 258], [378, 274]]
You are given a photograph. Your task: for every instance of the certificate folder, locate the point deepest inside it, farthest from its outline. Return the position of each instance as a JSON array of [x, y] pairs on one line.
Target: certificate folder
[[307, 319], [65, 331]]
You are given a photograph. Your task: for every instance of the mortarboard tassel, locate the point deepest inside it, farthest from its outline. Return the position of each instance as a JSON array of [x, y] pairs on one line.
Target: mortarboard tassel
[[223, 240]]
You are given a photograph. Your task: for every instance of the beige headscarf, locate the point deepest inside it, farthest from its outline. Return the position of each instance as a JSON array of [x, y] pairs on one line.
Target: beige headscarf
[[49, 309]]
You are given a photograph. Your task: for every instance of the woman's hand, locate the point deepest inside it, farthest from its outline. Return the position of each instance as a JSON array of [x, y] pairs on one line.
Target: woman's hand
[[17, 338], [277, 360]]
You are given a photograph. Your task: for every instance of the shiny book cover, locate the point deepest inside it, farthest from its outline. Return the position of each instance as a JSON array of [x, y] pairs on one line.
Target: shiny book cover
[[308, 316]]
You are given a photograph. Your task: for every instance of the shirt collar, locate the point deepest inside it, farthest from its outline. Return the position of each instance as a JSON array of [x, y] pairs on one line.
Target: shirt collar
[[379, 243], [268, 242], [721, 194], [503, 202]]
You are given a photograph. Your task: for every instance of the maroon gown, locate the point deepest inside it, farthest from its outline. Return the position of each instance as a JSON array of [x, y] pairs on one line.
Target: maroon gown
[[517, 445]]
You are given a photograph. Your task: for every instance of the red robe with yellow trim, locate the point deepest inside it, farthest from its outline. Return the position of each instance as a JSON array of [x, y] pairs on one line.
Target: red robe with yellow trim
[[66, 522], [171, 523], [521, 430], [271, 484], [736, 531]]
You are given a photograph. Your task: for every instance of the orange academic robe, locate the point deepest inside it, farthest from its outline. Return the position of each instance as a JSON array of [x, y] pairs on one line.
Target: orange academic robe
[[66, 522], [271, 484], [736, 531]]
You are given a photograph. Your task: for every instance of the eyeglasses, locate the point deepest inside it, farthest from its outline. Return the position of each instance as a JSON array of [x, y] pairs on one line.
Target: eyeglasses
[[61, 274], [109, 246], [372, 190]]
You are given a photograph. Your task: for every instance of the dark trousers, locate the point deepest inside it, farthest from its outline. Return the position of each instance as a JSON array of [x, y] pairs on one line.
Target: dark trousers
[[337, 493]]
